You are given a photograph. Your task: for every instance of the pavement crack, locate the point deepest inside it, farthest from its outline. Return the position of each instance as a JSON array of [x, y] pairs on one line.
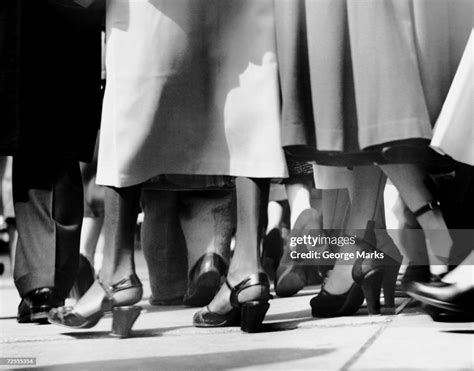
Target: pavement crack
[[365, 346]]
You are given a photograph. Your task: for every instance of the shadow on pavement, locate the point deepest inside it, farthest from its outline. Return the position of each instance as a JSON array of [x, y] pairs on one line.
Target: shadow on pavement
[[209, 361], [464, 332], [135, 333]]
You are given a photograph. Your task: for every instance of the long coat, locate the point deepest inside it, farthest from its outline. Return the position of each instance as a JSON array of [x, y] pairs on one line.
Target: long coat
[[50, 75]]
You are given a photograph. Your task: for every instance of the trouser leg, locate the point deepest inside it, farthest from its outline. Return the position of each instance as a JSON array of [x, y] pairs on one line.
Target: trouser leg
[[48, 202]]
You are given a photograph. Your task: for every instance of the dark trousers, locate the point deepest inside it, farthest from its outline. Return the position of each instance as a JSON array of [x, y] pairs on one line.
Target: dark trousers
[[48, 202]]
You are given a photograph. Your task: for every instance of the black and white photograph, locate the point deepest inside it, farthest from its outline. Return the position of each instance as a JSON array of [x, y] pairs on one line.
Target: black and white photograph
[[237, 184]]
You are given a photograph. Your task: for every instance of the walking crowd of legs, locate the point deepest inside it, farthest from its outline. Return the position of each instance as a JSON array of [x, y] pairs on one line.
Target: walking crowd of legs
[[230, 131]]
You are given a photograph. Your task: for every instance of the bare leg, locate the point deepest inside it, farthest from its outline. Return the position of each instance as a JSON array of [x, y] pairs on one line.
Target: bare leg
[[412, 239], [410, 181], [384, 241], [275, 216], [291, 275], [121, 211], [299, 199], [90, 233], [336, 206], [368, 185], [252, 199]]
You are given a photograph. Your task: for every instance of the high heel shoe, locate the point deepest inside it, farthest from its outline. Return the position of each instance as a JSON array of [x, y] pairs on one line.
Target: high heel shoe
[[391, 266], [291, 275], [373, 270], [118, 298], [250, 314], [368, 272], [328, 305], [389, 283], [420, 271]]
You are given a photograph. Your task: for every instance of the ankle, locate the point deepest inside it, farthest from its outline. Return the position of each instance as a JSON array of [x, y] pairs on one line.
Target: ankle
[[385, 244], [234, 276], [111, 278], [432, 219]]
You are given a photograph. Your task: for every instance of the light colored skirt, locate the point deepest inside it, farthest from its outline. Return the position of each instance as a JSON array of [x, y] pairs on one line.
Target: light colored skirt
[[379, 70], [192, 88], [454, 131]]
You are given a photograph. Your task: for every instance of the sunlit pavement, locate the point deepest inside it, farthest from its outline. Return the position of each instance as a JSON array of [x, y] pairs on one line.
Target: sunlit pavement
[[164, 339]]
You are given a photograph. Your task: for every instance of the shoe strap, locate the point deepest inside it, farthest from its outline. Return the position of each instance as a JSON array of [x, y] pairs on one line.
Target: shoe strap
[[124, 284], [259, 279], [433, 205]]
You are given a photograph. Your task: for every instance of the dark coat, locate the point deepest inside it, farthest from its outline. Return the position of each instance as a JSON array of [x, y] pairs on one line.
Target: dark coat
[[51, 77]]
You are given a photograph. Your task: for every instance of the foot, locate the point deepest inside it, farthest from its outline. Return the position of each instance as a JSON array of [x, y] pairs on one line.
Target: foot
[[221, 302], [91, 301], [339, 279], [98, 299], [386, 245], [438, 239], [291, 274]]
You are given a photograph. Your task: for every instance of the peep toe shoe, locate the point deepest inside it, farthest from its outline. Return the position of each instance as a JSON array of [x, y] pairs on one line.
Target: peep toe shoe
[[249, 314], [118, 298]]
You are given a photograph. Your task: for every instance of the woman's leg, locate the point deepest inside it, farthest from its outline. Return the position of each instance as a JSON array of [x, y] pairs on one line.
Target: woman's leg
[[275, 216], [299, 199], [335, 206], [252, 199], [365, 192], [121, 211], [292, 275], [384, 241], [411, 182], [412, 240], [90, 233]]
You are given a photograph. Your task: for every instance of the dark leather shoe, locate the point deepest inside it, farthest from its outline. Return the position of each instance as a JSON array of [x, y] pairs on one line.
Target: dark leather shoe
[[326, 305], [443, 315], [443, 295], [205, 280], [35, 306]]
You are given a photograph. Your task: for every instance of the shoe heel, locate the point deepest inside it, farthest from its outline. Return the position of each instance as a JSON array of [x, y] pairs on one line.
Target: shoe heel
[[252, 315], [371, 286], [389, 284], [123, 320]]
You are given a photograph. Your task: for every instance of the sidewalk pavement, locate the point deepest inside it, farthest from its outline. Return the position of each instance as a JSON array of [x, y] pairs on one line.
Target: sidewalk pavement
[[164, 339]]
